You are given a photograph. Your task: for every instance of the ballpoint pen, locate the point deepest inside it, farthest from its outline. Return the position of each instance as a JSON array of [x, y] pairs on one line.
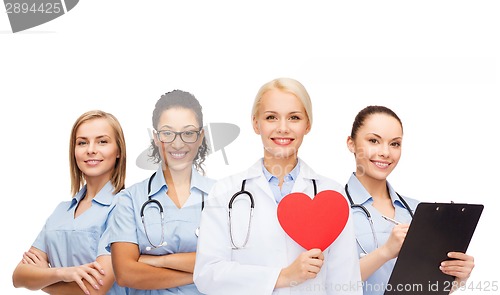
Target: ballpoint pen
[[391, 220]]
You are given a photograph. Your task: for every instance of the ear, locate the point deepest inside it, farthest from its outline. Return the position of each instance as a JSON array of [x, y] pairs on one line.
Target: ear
[[202, 134], [308, 128], [350, 144], [155, 139], [255, 125]]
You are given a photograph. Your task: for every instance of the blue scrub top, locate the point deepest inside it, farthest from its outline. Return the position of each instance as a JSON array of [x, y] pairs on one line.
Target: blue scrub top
[[70, 241], [179, 224], [376, 283]]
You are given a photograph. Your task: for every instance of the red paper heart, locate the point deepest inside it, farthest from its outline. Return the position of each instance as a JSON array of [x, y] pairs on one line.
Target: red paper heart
[[313, 223]]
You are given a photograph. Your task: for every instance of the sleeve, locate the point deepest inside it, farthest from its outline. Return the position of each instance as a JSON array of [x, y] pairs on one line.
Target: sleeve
[[40, 241], [215, 272], [121, 222], [343, 270], [105, 237]]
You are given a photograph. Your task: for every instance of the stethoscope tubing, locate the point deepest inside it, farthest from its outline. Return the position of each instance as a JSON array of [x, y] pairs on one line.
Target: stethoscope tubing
[[369, 217], [252, 207], [162, 216]]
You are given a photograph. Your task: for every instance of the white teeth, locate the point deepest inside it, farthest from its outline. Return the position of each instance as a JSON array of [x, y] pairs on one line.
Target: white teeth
[[92, 162], [283, 140], [178, 155], [381, 165]]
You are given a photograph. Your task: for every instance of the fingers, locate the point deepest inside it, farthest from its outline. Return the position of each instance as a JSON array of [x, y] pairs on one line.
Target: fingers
[[91, 272], [460, 265]]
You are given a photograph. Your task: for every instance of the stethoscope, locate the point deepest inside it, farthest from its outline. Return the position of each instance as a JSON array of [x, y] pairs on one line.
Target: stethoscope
[[369, 217], [160, 209], [252, 206]]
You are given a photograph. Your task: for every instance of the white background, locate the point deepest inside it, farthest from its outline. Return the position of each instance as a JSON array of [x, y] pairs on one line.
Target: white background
[[435, 63]]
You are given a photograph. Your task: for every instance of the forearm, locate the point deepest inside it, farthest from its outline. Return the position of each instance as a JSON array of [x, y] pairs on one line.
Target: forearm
[[138, 275], [177, 261], [62, 288], [371, 262], [33, 277]]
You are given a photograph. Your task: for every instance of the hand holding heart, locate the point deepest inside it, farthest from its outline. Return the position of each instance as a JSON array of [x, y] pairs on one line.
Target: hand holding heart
[[305, 267], [313, 223]]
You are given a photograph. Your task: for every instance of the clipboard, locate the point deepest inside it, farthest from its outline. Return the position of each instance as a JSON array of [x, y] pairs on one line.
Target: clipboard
[[436, 229]]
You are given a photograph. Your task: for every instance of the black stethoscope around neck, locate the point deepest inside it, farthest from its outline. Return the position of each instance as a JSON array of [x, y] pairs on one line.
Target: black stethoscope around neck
[[152, 201], [252, 206], [369, 216]]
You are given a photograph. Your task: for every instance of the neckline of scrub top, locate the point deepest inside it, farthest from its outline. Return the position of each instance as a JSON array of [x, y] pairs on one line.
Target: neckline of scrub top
[[360, 195], [198, 182], [104, 196]]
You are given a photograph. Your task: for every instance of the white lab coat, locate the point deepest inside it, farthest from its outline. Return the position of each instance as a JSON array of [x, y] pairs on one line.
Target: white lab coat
[[219, 269]]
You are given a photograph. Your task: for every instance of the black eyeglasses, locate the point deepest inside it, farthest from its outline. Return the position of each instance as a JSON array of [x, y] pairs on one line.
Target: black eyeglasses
[[188, 136]]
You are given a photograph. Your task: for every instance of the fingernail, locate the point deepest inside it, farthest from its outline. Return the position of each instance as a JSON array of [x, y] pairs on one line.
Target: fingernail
[[96, 287], [87, 292], [101, 282]]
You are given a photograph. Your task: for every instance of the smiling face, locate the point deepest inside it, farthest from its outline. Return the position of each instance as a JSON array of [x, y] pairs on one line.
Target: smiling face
[[377, 146], [282, 122], [178, 155], [96, 149]]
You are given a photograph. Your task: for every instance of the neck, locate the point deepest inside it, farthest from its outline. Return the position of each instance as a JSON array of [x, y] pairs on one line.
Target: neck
[[280, 167], [177, 177], [375, 187], [94, 185]]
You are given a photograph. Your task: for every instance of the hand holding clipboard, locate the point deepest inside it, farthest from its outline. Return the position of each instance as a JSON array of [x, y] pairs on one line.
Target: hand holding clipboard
[[436, 230]]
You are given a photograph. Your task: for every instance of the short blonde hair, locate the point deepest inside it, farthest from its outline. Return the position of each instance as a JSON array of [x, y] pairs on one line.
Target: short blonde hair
[[288, 85], [118, 177]]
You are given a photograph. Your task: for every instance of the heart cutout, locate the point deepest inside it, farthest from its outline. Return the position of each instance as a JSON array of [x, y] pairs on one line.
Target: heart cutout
[[313, 223]]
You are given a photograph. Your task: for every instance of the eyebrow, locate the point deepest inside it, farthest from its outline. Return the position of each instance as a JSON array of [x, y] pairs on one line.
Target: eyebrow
[[376, 135], [98, 137], [170, 127], [290, 113]]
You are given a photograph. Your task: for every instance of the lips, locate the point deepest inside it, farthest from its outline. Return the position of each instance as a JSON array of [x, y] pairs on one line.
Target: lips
[[282, 141], [93, 162], [381, 165], [178, 155]]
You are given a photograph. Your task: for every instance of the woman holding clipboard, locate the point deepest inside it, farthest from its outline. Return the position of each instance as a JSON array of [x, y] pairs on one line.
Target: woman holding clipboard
[[382, 216]]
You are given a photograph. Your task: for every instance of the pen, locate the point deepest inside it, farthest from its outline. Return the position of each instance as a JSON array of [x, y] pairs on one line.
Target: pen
[[391, 220]]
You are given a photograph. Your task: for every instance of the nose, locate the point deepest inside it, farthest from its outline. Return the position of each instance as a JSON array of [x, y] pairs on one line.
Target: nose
[[384, 151], [177, 143], [91, 148], [283, 127]]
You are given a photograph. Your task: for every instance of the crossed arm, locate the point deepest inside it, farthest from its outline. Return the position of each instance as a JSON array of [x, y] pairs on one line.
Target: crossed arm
[[34, 273]]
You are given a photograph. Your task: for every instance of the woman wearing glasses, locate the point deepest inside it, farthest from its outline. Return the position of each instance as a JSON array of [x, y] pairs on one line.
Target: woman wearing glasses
[[251, 254], [69, 255], [155, 224]]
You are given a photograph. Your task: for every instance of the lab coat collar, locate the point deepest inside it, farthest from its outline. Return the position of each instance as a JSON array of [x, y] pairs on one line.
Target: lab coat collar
[[304, 179], [301, 183]]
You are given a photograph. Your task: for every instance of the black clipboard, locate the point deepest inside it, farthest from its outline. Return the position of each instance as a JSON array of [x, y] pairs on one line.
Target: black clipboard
[[436, 229]]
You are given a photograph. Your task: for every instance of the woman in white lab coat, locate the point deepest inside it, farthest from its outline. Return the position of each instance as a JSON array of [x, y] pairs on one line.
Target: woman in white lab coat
[[253, 254]]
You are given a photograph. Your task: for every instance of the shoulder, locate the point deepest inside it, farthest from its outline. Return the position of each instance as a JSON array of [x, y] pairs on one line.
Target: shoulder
[[413, 203], [323, 182]]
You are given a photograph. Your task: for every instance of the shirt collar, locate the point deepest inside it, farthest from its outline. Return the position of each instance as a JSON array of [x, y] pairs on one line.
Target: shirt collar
[[198, 181], [103, 197], [360, 195], [292, 176]]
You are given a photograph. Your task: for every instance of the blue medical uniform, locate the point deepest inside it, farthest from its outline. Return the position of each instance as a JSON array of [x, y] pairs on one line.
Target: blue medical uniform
[[70, 241], [376, 283], [179, 224]]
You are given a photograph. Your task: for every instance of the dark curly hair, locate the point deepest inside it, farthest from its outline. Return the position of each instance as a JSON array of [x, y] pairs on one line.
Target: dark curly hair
[[182, 99]]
